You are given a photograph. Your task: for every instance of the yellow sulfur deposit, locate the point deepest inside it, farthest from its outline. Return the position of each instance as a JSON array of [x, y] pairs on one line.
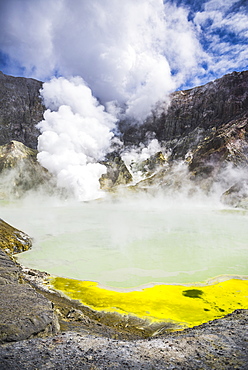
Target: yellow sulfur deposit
[[185, 306]]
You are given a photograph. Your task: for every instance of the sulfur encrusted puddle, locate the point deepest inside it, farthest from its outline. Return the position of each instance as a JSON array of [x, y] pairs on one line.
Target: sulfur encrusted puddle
[[180, 305]]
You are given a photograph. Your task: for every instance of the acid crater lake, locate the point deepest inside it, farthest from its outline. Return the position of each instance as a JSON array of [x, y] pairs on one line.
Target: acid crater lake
[[132, 242]]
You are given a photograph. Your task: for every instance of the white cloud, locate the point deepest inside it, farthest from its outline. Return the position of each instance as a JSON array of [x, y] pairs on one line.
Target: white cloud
[[225, 32], [26, 34], [135, 52]]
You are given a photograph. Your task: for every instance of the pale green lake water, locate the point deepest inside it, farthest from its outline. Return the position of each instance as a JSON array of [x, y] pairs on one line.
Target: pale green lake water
[[133, 242]]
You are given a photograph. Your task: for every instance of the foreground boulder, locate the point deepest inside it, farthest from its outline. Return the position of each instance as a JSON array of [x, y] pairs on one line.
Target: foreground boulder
[[24, 312]]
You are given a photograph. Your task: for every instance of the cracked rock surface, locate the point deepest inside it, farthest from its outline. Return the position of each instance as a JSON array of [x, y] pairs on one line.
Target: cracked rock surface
[[220, 344], [24, 312]]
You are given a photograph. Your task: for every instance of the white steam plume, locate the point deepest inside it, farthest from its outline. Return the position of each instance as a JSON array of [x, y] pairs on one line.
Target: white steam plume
[[76, 134], [134, 156], [124, 51]]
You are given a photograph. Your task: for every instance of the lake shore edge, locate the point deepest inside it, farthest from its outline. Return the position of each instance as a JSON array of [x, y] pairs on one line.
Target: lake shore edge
[[71, 338]]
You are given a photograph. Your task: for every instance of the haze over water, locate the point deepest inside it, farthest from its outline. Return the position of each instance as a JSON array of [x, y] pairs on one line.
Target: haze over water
[[132, 242], [103, 61]]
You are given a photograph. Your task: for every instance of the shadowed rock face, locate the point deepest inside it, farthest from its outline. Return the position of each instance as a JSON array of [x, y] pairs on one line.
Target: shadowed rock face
[[24, 312], [20, 109], [201, 109], [191, 113], [205, 126], [29, 315], [207, 106]]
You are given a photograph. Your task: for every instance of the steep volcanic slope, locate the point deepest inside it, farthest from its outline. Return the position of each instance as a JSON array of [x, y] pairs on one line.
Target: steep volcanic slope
[[207, 106], [201, 109], [190, 114], [207, 127], [20, 109]]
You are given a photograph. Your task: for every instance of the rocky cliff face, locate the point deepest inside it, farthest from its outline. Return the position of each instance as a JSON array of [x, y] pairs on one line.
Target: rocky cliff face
[[20, 109], [192, 113], [206, 127]]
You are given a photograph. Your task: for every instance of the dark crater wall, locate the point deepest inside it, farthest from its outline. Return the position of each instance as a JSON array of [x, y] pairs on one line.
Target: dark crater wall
[[203, 108], [190, 115], [20, 110]]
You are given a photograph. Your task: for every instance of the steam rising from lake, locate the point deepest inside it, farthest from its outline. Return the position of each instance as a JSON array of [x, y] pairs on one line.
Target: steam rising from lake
[[133, 241]]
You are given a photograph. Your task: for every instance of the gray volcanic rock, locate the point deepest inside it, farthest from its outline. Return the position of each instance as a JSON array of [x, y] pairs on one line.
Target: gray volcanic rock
[[206, 128], [20, 171], [207, 106], [201, 108], [117, 172], [228, 143], [13, 240], [14, 153], [24, 312], [221, 344], [191, 113], [236, 195], [9, 270], [20, 109]]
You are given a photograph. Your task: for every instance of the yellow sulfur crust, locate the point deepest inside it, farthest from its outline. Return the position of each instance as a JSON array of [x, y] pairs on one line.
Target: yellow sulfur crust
[[185, 306]]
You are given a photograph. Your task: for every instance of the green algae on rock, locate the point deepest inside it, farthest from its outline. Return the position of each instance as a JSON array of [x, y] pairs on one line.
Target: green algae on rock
[[13, 240]]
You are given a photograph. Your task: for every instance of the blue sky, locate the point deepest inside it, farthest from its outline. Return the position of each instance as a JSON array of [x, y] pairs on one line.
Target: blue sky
[[124, 49]]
